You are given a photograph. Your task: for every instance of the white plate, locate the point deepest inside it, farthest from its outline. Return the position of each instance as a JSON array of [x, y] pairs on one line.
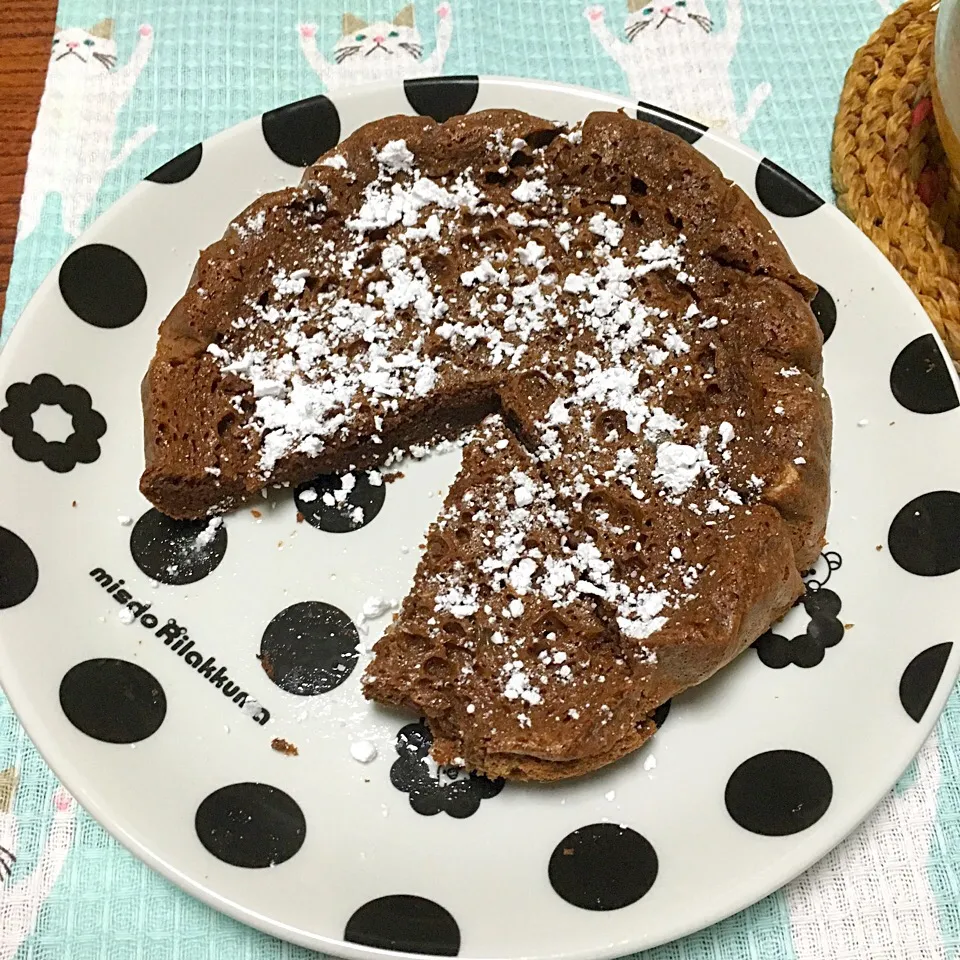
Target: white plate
[[755, 774]]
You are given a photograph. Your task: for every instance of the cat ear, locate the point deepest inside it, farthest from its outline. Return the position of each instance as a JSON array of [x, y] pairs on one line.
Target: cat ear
[[635, 6], [405, 17], [103, 30], [8, 786], [351, 24]]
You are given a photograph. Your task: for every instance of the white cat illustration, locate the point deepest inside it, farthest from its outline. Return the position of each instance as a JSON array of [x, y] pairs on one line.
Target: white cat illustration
[[875, 888], [72, 147], [21, 898], [674, 58], [378, 51]]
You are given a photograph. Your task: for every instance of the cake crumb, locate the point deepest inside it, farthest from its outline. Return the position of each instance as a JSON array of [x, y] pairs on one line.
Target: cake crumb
[[266, 663], [284, 747]]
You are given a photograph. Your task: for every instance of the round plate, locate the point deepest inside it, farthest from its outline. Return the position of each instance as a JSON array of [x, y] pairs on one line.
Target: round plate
[[162, 727]]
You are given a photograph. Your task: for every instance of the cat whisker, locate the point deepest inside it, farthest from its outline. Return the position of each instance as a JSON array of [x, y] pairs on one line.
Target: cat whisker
[[415, 50], [106, 59], [636, 28], [345, 52], [705, 23], [7, 860]]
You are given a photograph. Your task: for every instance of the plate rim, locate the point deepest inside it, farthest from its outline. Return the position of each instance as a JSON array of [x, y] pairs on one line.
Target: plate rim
[[74, 780]]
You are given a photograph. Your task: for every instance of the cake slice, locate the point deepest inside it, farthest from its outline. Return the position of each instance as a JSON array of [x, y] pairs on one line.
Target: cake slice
[[530, 655], [499, 643]]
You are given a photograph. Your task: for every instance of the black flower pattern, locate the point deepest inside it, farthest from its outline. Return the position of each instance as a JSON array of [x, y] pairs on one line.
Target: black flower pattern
[[434, 789], [61, 456], [823, 630]]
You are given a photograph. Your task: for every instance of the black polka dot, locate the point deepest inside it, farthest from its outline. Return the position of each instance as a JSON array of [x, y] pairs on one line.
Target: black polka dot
[[689, 130], [808, 649], [603, 867], [103, 285], [807, 652], [825, 310], [309, 648], [825, 631], [774, 650], [924, 537], [180, 167], [821, 604], [113, 700], [251, 825], [18, 569], [61, 456], [661, 713], [920, 679], [782, 193], [405, 924], [920, 379], [433, 790], [442, 97], [778, 793], [300, 132], [169, 550], [345, 513]]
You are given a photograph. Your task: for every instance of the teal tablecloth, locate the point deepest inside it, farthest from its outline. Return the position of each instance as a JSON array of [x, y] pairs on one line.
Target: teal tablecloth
[[771, 71]]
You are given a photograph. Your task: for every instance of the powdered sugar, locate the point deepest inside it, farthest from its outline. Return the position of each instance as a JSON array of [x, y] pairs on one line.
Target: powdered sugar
[[329, 361], [395, 157], [207, 535], [363, 751], [530, 191], [678, 466], [609, 230], [518, 684]]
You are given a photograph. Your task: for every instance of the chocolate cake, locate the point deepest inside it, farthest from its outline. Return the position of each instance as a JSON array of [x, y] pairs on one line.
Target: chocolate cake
[[626, 351]]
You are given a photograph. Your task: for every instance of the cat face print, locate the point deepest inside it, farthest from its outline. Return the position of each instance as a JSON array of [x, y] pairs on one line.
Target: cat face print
[[382, 41], [76, 49], [649, 17]]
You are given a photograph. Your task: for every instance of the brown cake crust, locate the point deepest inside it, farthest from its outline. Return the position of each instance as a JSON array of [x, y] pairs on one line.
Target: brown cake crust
[[649, 352], [591, 691]]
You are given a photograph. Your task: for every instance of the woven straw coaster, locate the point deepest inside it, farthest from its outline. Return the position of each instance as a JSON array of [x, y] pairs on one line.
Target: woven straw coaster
[[889, 170]]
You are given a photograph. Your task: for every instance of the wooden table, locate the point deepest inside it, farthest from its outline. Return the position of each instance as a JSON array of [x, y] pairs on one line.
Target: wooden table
[[26, 29]]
